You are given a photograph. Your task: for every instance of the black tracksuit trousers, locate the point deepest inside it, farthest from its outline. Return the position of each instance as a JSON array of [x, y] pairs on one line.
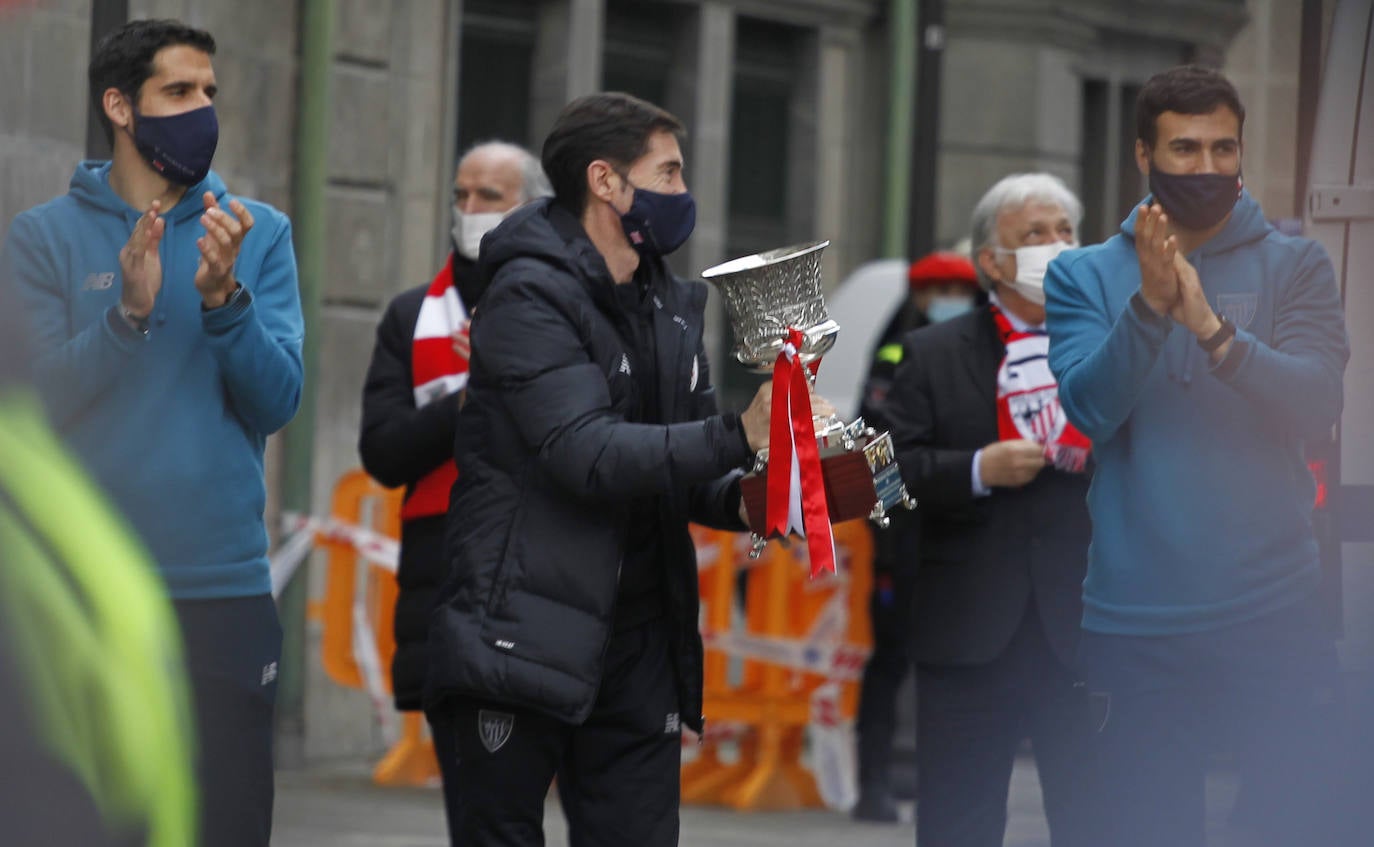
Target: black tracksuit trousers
[[618, 773]]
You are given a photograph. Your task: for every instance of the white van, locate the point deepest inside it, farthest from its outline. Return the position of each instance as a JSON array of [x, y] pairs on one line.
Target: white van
[[1340, 214]]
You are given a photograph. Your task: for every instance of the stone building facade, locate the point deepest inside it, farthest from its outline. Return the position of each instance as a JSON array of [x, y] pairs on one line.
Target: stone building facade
[[787, 104]]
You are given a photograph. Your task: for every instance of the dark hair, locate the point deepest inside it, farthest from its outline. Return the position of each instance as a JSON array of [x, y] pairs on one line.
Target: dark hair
[[611, 126], [124, 58], [1187, 90]]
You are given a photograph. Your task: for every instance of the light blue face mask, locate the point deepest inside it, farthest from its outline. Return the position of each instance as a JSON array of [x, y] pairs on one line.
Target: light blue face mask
[[944, 307]]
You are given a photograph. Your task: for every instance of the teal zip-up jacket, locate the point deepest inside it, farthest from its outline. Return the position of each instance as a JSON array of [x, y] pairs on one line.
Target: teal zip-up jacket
[[1202, 500], [173, 425]]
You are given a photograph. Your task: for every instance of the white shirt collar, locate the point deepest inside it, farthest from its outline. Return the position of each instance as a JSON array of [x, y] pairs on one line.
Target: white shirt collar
[[1016, 322]]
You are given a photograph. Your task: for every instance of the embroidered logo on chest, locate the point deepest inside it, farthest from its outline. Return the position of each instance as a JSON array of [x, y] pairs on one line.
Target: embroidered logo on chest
[[98, 281], [696, 374], [1240, 309]]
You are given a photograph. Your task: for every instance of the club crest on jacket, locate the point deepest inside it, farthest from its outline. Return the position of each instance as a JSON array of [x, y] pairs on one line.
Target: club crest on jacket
[[1238, 308]]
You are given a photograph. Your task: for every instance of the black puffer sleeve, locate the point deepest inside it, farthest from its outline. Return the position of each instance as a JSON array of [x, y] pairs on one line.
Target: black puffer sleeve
[[528, 340]]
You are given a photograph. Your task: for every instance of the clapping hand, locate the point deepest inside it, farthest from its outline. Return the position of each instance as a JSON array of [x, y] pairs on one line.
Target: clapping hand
[[219, 249], [1155, 250], [1191, 308], [140, 264]]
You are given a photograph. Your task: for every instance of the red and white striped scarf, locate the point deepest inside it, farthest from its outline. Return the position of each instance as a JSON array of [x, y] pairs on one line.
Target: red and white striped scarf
[[1028, 398], [436, 372]]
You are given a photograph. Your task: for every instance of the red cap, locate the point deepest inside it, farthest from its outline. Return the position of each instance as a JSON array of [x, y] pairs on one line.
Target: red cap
[[942, 269]]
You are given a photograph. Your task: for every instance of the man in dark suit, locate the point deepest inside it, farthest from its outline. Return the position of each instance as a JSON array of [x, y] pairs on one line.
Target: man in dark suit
[[943, 286], [1001, 480]]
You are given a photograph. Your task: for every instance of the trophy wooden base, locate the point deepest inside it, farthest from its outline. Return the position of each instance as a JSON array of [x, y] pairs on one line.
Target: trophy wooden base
[[861, 480], [849, 490]]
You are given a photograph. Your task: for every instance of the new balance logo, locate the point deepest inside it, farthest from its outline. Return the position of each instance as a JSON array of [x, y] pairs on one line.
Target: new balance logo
[[672, 725], [98, 281], [505, 645], [269, 672], [625, 364]]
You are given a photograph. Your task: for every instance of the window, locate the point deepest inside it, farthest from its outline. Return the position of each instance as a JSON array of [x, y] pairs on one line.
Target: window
[[761, 129], [638, 52], [1112, 184], [497, 56]]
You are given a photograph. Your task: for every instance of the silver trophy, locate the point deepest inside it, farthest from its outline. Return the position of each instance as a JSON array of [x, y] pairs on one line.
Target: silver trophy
[[765, 295]]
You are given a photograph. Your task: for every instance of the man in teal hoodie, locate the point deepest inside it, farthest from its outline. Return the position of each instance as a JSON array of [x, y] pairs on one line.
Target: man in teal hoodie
[[167, 323], [1198, 349]]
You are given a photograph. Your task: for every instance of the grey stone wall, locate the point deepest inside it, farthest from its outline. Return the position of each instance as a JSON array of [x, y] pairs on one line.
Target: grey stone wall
[[1263, 64], [388, 178], [43, 56], [1008, 106]]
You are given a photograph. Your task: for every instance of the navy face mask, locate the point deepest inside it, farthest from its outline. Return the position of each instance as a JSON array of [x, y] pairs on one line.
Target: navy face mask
[[178, 147], [1195, 201], [658, 224]]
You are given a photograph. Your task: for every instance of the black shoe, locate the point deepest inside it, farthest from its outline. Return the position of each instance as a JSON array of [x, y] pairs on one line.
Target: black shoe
[[875, 806]]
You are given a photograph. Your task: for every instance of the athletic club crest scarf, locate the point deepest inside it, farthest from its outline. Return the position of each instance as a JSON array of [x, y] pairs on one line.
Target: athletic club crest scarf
[[436, 372], [1028, 398]]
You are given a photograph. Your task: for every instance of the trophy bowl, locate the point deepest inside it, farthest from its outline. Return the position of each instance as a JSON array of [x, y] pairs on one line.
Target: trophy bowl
[[766, 293]]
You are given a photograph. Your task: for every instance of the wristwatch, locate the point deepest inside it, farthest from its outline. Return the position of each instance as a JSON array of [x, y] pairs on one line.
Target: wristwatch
[[1220, 337], [136, 323], [228, 301]]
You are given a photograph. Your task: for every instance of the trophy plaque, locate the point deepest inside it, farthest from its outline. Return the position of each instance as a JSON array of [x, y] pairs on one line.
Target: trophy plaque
[[777, 310]]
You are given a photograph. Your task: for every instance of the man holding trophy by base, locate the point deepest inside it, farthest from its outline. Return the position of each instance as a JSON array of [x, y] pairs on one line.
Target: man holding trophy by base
[[565, 639]]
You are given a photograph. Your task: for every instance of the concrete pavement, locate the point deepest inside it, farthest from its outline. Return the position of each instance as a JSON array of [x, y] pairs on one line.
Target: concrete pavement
[[340, 807]]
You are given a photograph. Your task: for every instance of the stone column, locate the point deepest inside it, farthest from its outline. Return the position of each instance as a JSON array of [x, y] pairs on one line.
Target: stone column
[[388, 184], [707, 79], [1010, 105], [834, 151], [567, 59], [709, 126], [1263, 64], [43, 57]]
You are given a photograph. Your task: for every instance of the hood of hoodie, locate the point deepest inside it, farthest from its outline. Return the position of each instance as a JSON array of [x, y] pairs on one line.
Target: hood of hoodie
[[547, 232], [1246, 226], [90, 184]]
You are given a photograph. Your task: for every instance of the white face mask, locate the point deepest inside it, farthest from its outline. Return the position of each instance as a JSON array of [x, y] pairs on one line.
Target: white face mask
[[1031, 264], [469, 229]]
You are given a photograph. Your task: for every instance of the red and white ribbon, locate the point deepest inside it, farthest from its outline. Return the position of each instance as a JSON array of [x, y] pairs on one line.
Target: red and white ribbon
[[796, 488]]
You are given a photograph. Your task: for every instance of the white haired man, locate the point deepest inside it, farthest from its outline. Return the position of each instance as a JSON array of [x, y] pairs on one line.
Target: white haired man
[[410, 398], [1001, 478]]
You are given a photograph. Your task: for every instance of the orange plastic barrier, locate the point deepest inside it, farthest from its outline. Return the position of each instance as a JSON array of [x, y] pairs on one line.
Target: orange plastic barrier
[[797, 635], [349, 578]]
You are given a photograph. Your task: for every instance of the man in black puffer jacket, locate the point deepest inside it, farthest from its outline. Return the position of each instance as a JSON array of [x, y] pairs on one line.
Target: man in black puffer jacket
[[411, 396], [566, 639]]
